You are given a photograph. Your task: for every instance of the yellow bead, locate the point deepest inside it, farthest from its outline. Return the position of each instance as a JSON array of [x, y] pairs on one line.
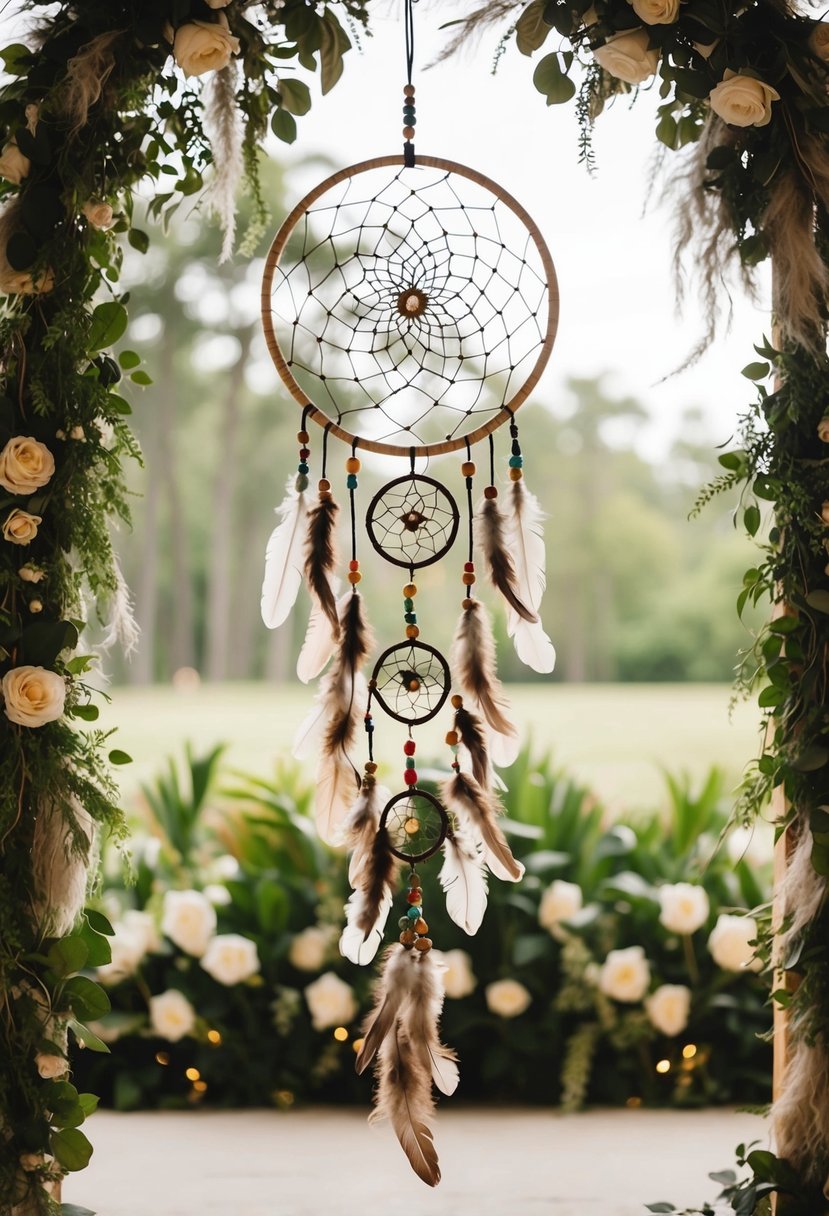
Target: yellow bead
[[352, 465], [457, 701], [468, 468], [409, 590], [412, 632], [516, 474], [451, 738], [421, 926], [354, 577]]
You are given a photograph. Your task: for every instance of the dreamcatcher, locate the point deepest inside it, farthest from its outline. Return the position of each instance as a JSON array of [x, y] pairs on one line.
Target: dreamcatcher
[[410, 306]]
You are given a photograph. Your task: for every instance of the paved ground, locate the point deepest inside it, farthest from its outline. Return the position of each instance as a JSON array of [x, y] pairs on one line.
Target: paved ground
[[497, 1162]]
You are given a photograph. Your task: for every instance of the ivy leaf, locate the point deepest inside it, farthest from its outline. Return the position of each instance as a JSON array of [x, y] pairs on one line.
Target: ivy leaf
[[109, 323], [666, 131], [550, 80], [335, 42], [71, 1148], [99, 922], [296, 96], [138, 239], [756, 371], [87, 713], [17, 59], [116, 756], [531, 29], [751, 519], [283, 125], [87, 1000]]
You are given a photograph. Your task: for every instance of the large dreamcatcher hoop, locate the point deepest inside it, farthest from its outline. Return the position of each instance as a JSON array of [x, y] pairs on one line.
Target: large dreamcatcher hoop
[[409, 312], [412, 521]]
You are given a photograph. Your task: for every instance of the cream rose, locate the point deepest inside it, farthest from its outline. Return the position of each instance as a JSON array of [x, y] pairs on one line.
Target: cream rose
[[14, 166], [309, 949], [330, 1001], [559, 902], [231, 958], [26, 465], [134, 936], [628, 57], [823, 430], [458, 977], [729, 943], [30, 573], [683, 907], [819, 40], [171, 1015], [33, 695], [668, 1008], [655, 12], [204, 46], [743, 101], [218, 895], [507, 998], [23, 283], [20, 528], [50, 1066], [189, 920], [625, 975], [99, 214]]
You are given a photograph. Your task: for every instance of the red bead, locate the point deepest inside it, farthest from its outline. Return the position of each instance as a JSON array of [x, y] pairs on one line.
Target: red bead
[[410, 776], [469, 567], [414, 896], [304, 453], [409, 747], [354, 565]]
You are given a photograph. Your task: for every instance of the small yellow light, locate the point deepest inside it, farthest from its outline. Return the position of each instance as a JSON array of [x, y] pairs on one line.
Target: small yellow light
[[358, 1045], [200, 1087], [689, 1051], [214, 1037], [284, 1098], [161, 1057], [412, 826], [633, 1103], [341, 1034], [192, 1074], [663, 1066]]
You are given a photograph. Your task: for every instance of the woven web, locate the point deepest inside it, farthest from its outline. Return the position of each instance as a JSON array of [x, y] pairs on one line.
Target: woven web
[[415, 825], [411, 682], [412, 521], [378, 371]]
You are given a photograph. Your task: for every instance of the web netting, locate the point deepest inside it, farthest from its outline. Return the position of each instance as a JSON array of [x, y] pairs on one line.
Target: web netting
[[410, 305], [412, 521], [411, 682], [416, 824]]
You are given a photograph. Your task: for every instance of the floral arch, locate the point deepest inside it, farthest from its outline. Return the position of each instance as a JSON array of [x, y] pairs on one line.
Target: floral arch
[[102, 97]]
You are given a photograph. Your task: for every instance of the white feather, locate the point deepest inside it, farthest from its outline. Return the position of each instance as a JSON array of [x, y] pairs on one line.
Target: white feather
[[337, 784], [525, 535], [445, 1073], [284, 558], [310, 729], [356, 946], [463, 879], [503, 749], [320, 639], [363, 843], [532, 645]]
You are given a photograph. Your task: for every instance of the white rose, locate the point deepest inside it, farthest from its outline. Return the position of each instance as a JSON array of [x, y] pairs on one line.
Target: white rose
[[204, 46], [819, 40], [30, 573], [668, 1008], [225, 867], [683, 907], [23, 283], [309, 949], [143, 925], [25, 465], [656, 12], [218, 895], [19, 527], [14, 166], [231, 958], [507, 998], [823, 425], [33, 695], [171, 1015], [754, 845], [50, 1066], [128, 944], [628, 57], [189, 920], [729, 943], [743, 101], [458, 977], [625, 974], [100, 215], [331, 1002], [559, 902]]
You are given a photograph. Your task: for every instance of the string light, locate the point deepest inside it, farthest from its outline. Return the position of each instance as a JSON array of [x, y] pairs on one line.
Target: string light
[[284, 1098], [689, 1051], [161, 1057], [214, 1037], [192, 1074], [200, 1087], [633, 1103], [663, 1066], [341, 1034]]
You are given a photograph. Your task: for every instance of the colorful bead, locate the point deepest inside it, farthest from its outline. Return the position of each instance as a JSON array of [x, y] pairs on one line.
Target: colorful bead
[[304, 453], [423, 945], [407, 939], [414, 879], [516, 448], [354, 577], [451, 737], [408, 603], [302, 467], [409, 90], [421, 926], [469, 566], [301, 482], [491, 492], [467, 578], [409, 747], [323, 485], [414, 895], [412, 826], [410, 589], [408, 132], [410, 618], [302, 437], [516, 474], [414, 913], [410, 762], [410, 776], [457, 701], [412, 632], [351, 481], [403, 923], [515, 462], [371, 767], [354, 564], [352, 465], [468, 468]]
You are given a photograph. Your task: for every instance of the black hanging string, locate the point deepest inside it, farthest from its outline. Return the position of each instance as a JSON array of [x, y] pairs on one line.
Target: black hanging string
[[352, 504], [408, 18], [328, 427], [491, 460], [469, 511], [409, 105]]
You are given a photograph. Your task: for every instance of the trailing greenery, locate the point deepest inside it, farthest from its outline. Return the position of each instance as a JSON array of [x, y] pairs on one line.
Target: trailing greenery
[[534, 1004]]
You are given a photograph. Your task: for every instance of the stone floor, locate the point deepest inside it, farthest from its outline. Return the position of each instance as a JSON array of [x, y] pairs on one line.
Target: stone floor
[[325, 1162]]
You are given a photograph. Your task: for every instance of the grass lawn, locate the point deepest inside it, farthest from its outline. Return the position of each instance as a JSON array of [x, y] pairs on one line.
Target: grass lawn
[[617, 738]]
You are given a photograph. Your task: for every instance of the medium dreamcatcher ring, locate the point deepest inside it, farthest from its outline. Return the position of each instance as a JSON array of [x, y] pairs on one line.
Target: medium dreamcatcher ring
[[411, 682], [412, 311], [415, 824], [412, 521]]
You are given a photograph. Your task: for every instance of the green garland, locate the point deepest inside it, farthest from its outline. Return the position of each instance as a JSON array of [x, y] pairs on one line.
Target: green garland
[[108, 100]]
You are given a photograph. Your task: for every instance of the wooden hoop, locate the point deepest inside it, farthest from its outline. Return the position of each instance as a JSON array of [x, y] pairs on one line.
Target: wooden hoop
[[413, 646], [506, 411], [415, 792], [424, 561]]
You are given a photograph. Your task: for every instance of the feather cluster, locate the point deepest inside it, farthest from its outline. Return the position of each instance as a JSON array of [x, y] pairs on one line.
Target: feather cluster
[[491, 535], [285, 557], [373, 873], [525, 540], [474, 671], [477, 811], [223, 123], [86, 75], [320, 556], [401, 1038], [321, 639]]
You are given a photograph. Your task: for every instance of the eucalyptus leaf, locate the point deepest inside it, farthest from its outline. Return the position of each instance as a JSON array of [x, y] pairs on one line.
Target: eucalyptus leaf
[[550, 79], [296, 96], [531, 30], [109, 323], [71, 1148]]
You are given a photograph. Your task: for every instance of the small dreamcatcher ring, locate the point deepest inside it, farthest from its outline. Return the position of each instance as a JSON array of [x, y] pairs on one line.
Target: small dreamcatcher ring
[[412, 521], [411, 681], [419, 308], [416, 825]]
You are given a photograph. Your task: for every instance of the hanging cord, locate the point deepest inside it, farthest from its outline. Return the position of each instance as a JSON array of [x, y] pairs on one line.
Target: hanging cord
[[352, 486], [409, 115]]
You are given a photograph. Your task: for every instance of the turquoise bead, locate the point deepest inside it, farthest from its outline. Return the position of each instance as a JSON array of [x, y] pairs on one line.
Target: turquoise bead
[[302, 468], [351, 481], [414, 913], [516, 462], [408, 604]]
